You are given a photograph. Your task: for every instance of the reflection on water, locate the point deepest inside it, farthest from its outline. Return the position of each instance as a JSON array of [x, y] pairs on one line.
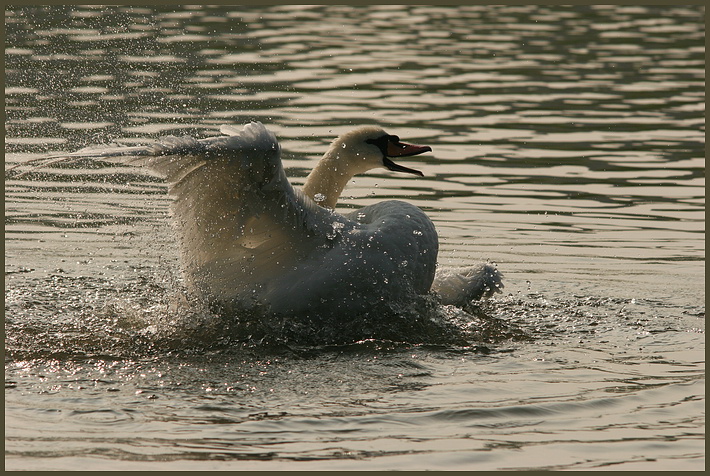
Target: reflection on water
[[568, 148]]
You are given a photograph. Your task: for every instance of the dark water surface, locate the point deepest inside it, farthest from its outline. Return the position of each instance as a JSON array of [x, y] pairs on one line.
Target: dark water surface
[[568, 148]]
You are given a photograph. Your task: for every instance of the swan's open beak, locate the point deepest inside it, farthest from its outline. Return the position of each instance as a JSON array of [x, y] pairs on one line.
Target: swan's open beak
[[400, 149]]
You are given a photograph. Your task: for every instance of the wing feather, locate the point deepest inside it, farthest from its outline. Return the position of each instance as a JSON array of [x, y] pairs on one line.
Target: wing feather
[[239, 219]]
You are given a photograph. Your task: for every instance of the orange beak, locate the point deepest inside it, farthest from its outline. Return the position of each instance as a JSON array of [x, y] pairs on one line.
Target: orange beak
[[400, 149]]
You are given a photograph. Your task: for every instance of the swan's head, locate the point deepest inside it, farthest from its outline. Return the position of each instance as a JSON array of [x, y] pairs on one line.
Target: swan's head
[[370, 147]]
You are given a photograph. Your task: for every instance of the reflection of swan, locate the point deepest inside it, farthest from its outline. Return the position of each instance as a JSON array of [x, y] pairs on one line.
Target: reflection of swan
[[247, 235]]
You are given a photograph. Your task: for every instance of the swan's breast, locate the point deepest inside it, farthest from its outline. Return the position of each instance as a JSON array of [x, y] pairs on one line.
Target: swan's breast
[[402, 234], [388, 254]]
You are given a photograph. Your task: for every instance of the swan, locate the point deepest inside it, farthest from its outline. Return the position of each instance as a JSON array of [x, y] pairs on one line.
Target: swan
[[247, 235]]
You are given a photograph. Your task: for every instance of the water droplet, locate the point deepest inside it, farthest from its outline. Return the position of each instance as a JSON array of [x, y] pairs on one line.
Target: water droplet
[[319, 197]]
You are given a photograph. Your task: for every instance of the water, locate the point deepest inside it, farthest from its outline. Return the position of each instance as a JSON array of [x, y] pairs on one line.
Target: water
[[568, 149]]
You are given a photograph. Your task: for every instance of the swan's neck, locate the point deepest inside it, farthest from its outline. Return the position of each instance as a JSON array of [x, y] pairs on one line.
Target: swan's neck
[[328, 179]]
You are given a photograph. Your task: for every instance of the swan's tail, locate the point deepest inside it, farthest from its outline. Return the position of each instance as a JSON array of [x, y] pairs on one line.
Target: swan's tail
[[459, 286]]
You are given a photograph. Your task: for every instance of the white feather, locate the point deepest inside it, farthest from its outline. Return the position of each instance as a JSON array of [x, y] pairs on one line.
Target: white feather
[[247, 235]]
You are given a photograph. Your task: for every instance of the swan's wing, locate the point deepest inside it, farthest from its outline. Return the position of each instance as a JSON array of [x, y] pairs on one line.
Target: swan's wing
[[239, 220], [170, 156]]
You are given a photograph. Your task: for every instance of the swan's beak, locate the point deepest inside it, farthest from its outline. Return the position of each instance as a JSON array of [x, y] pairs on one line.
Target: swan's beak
[[400, 149]]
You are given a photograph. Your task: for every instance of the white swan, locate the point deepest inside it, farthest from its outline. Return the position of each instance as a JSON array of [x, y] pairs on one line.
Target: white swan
[[247, 235]]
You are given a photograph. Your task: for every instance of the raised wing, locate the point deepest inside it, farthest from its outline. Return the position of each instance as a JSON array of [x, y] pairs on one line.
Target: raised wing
[[239, 221]]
